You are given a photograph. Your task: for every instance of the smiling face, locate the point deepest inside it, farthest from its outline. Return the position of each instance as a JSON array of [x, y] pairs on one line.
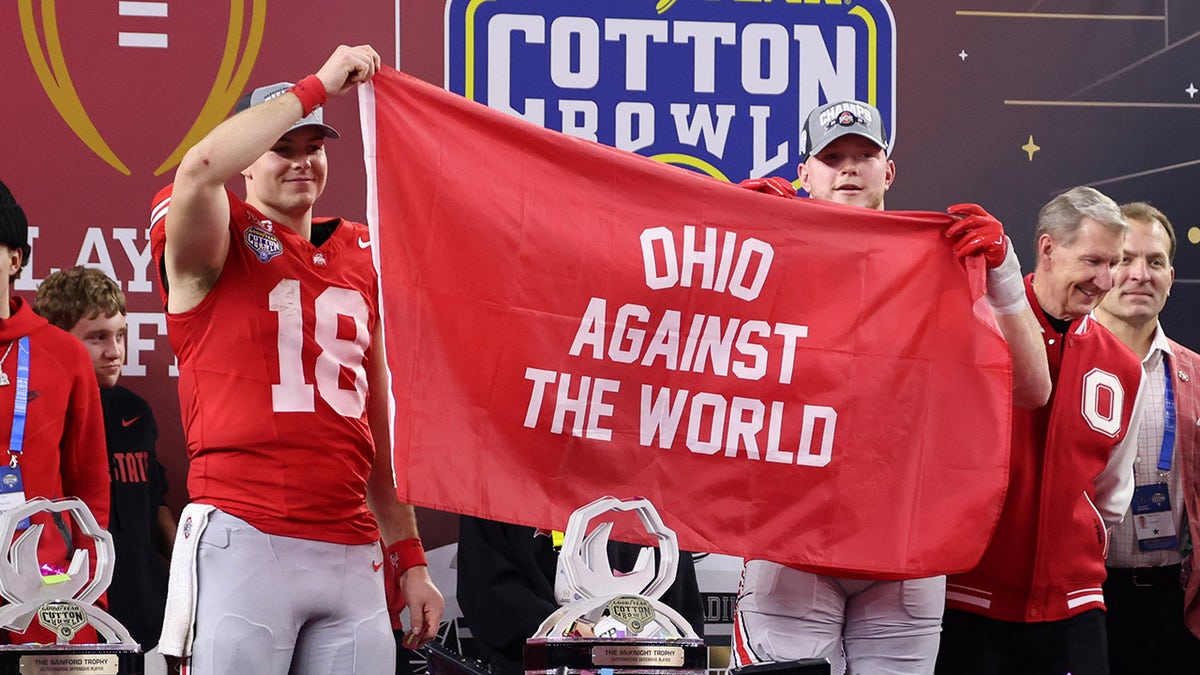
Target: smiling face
[[288, 178], [851, 170], [1142, 280], [1072, 278], [104, 338]]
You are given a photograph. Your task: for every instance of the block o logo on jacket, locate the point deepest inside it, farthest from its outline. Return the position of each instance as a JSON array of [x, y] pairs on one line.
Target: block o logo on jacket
[[1103, 401]]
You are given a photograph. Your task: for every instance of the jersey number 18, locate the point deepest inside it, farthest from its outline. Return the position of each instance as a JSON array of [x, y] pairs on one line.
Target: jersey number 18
[[337, 355]]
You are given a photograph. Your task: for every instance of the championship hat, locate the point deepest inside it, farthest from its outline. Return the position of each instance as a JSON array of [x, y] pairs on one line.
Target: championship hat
[[831, 121], [14, 228], [267, 92]]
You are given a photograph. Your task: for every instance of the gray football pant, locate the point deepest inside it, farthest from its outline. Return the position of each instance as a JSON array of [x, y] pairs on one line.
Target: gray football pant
[[874, 627], [268, 604]]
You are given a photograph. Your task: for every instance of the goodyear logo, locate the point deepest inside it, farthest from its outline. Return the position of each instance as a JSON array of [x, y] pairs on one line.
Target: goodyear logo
[[719, 86]]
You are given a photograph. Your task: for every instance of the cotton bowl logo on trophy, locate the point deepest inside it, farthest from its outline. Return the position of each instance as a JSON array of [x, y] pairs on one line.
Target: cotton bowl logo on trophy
[[632, 611], [62, 603], [59, 34], [614, 622], [62, 617], [719, 86]]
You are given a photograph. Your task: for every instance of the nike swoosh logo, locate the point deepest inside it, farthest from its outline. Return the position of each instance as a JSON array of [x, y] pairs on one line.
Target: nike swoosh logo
[[363, 244], [376, 565], [126, 423]]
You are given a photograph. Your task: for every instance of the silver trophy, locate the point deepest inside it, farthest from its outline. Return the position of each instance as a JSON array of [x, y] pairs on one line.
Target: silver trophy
[[614, 621], [62, 603]]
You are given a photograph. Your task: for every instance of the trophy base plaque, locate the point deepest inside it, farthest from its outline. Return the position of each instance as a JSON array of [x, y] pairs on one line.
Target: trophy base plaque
[[82, 659], [658, 656], [63, 602]]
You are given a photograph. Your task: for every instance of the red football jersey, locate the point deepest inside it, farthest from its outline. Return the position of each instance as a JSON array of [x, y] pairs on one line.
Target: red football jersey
[[273, 380]]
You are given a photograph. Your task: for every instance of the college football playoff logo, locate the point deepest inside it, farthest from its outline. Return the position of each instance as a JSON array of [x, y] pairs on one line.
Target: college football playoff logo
[[43, 41]]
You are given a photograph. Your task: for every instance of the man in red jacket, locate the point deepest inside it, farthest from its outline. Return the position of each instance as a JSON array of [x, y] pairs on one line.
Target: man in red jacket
[[50, 414], [1034, 602]]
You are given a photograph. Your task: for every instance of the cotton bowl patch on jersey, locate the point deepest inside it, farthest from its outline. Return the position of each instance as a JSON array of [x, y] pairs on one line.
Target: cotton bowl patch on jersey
[[264, 244], [721, 87]]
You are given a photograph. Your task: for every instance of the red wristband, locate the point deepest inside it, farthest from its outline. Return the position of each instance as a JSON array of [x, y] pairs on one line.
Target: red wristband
[[311, 92], [406, 553]]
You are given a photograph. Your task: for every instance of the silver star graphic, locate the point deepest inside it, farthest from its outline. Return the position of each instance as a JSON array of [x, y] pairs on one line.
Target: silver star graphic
[[1191, 90], [963, 55]]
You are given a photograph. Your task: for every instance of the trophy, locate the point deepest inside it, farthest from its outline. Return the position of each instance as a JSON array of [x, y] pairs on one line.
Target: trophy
[[609, 621], [62, 603]]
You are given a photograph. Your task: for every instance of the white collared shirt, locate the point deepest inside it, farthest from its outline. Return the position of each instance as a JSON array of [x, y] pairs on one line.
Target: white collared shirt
[[1123, 547]]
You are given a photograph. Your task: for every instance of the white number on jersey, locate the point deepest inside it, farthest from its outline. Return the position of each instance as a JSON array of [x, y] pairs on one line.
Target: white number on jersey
[[293, 393]]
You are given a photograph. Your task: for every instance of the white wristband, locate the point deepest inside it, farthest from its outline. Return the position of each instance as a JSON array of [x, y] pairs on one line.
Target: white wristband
[[1006, 285]]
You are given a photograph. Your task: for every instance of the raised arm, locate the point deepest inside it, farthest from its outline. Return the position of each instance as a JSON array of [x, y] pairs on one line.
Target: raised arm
[[197, 224], [978, 233], [1031, 373]]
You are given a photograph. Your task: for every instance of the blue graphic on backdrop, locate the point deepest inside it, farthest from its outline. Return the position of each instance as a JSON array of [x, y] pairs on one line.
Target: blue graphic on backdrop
[[718, 86]]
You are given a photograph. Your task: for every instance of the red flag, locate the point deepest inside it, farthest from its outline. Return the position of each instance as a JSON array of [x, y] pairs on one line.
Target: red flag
[[784, 379]]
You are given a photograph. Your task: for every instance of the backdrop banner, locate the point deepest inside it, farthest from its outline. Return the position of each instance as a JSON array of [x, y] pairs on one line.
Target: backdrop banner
[[787, 379]]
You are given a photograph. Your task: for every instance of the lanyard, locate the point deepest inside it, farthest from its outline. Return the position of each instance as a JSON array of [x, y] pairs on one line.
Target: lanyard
[[16, 442], [1168, 442]]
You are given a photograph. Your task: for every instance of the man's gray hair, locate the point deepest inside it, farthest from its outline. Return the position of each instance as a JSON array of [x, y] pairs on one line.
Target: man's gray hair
[[1062, 217]]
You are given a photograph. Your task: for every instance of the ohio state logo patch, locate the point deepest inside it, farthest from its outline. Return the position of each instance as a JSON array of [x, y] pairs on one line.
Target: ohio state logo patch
[[264, 244]]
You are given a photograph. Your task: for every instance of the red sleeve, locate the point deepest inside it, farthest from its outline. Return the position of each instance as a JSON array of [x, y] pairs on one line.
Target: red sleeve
[[158, 237]]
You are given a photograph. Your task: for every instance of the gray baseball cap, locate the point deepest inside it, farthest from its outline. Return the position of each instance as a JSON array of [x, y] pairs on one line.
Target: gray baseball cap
[[831, 121], [265, 93]]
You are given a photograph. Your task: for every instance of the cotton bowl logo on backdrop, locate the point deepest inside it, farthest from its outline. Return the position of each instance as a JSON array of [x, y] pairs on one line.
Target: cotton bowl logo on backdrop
[[719, 86]]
